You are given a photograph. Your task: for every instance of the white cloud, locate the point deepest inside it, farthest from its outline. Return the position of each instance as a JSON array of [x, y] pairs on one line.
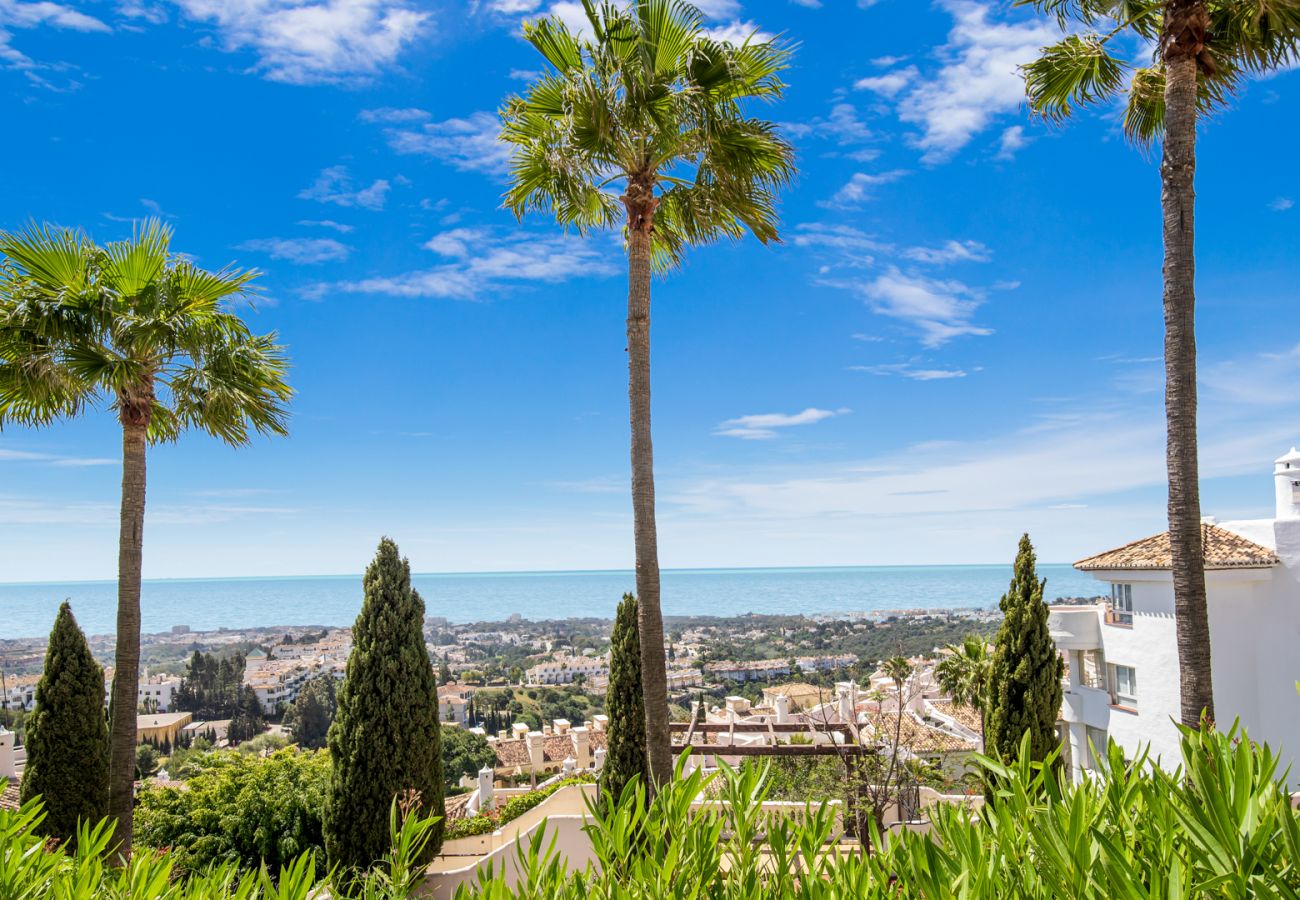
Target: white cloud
[[30, 15], [855, 248], [979, 78], [1011, 141], [314, 41], [939, 310], [858, 188], [389, 115], [907, 370], [334, 185], [468, 144], [763, 426], [53, 459], [304, 251], [738, 32], [15, 14], [513, 7], [478, 261], [1281, 204], [888, 84], [949, 252], [326, 223]]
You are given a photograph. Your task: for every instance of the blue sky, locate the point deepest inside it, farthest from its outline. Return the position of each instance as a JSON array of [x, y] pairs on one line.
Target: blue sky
[[958, 340]]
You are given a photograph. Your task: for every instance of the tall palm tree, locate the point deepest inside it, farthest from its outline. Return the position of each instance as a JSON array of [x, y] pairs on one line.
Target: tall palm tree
[[646, 102], [1204, 50], [142, 331]]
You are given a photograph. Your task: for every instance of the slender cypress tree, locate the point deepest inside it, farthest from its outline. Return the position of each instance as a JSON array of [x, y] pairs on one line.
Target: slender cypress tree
[[384, 741], [625, 750], [67, 734], [1025, 681]]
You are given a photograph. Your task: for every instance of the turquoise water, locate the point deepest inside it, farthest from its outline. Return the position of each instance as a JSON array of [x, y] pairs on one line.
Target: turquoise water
[[27, 610]]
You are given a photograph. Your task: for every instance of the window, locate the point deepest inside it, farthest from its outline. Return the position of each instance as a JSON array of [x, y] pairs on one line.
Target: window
[[1121, 605], [1125, 686]]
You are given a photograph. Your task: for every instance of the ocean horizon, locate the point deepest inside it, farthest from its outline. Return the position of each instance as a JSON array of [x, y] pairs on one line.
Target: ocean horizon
[[207, 604]]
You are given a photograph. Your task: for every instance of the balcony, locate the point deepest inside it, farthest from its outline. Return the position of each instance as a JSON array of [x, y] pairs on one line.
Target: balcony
[[1075, 627], [1087, 706]]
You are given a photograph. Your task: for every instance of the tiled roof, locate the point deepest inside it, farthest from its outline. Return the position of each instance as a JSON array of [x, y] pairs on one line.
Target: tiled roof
[[1222, 549], [917, 737], [964, 716], [556, 748], [9, 799]]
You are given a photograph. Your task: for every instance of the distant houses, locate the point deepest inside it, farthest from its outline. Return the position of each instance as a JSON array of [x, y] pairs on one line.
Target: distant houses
[[565, 668]]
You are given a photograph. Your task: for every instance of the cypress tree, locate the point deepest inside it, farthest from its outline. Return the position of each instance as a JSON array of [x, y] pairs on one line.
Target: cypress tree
[[385, 738], [1025, 680], [625, 749], [67, 734]]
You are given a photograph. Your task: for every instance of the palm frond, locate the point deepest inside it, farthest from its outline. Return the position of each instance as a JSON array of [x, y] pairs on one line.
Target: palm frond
[[133, 266], [1078, 70]]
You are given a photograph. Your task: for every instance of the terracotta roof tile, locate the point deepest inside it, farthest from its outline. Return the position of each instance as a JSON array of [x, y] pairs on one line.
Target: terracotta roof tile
[[917, 737], [9, 799], [965, 716], [1222, 548]]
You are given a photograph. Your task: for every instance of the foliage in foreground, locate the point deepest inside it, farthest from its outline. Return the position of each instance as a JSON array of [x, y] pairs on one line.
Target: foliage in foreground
[[1222, 827], [29, 869], [625, 746]]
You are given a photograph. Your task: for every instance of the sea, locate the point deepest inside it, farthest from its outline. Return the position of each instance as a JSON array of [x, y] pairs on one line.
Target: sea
[[209, 604]]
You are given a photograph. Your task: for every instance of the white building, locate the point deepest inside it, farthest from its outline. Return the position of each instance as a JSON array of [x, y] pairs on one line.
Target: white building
[[564, 668], [1123, 655]]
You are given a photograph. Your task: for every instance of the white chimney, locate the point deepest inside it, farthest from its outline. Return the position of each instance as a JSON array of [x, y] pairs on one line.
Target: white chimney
[[1286, 476], [846, 693], [782, 704], [486, 787]]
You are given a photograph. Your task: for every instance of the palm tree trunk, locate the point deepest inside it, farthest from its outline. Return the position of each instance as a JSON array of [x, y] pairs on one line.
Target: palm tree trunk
[[126, 663], [1185, 25], [640, 203]]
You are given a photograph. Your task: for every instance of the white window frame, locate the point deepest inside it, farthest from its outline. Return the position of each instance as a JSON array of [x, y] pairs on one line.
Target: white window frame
[[1121, 604], [1125, 699]]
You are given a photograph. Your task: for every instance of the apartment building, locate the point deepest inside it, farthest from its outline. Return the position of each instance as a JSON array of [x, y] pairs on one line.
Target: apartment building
[[1123, 653], [564, 668]]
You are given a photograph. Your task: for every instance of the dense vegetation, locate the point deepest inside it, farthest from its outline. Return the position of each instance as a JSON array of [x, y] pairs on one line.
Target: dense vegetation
[[312, 711], [464, 753], [239, 808], [1222, 827]]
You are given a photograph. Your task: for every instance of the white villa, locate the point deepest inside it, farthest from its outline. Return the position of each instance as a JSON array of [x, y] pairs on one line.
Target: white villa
[[1123, 656]]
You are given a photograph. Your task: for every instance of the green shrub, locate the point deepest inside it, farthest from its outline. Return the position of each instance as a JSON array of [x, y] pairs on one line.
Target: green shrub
[[239, 809]]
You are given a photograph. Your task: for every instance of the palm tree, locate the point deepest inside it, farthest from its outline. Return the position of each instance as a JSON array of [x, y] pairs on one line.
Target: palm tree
[[1204, 50], [964, 674], [142, 331], [649, 103]]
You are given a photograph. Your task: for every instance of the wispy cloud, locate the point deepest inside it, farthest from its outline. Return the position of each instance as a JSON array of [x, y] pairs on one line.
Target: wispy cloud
[[304, 251], [939, 310], [764, 426], [468, 144], [949, 252], [334, 185], [1013, 139], [858, 189], [888, 84], [738, 32], [315, 41], [907, 370], [327, 223], [1281, 204], [475, 261], [390, 115], [977, 80], [15, 14], [54, 459]]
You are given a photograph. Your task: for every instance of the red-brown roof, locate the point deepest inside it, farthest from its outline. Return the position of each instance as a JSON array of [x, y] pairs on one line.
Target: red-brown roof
[[1223, 549], [9, 799]]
